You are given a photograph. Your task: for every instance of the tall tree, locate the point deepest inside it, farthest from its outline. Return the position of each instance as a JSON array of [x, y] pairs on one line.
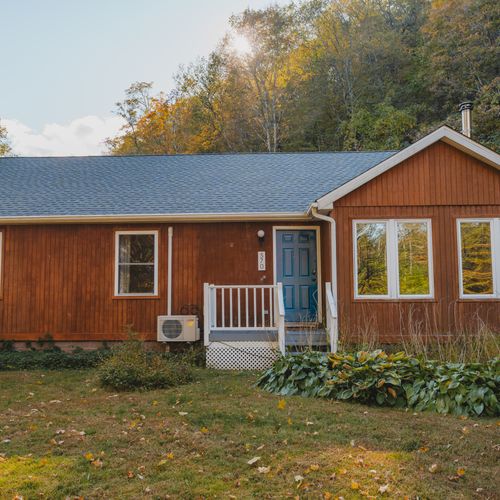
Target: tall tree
[[136, 104]]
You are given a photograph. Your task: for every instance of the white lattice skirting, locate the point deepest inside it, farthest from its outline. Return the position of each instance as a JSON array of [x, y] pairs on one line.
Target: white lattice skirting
[[241, 355]]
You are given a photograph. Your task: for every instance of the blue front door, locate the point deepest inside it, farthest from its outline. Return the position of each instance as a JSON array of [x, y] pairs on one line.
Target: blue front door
[[296, 268]]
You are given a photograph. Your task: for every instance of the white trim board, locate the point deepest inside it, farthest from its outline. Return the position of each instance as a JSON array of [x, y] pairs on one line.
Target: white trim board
[[318, 259], [444, 134]]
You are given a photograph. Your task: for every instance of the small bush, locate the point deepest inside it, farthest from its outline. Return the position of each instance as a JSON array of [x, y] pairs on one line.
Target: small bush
[[50, 359], [193, 355], [130, 367], [390, 380]]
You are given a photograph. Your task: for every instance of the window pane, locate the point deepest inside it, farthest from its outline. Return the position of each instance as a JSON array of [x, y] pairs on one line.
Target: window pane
[[137, 248], [413, 258], [136, 279], [371, 256], [477, 269]]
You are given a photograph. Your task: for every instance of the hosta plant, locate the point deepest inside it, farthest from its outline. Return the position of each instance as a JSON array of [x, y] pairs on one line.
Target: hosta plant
[[390, 380]]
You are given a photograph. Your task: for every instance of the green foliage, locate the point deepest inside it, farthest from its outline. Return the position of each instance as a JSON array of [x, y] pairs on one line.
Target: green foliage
[[192, 355], [130, 367], [390, 380], [6, 345], [50, 359]]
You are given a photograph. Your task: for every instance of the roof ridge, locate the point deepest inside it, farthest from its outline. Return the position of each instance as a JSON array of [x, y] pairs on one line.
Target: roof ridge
[[226, 153]]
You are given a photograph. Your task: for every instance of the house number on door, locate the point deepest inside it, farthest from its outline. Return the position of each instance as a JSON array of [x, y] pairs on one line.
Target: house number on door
[[261, 261]]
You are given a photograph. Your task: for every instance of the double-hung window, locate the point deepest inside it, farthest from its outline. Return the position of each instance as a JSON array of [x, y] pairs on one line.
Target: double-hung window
[[393, 259], [136, 266], [479, 258]]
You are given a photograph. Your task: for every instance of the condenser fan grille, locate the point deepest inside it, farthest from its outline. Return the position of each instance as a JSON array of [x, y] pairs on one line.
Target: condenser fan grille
[[171, 328]]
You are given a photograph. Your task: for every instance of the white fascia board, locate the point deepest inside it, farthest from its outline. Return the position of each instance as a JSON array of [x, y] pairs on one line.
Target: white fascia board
[[143, 218], [444, 134]]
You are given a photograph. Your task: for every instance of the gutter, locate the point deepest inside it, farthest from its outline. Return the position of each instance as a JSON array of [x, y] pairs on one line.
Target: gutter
[[122, 218]]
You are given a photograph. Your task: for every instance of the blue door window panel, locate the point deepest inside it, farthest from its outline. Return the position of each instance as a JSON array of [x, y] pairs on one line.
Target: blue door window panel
[[304, 297], [304, 262], [288, 262], [288, 296]]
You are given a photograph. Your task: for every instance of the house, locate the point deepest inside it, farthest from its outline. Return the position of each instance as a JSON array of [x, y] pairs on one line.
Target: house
[[266, 250]]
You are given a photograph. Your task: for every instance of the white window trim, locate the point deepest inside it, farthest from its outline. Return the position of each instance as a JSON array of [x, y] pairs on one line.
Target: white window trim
[[117, 263], [495, 258], [392, 259]]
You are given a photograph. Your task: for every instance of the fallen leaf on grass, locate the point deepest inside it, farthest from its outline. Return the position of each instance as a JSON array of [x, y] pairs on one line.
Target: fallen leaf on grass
[[264, 470], [433, 468], [204, 430], [253, 460], [298, 478], [281, 404], [97, 463], [183, 413], [460, 472], [383, 489], [130, 474], [354, 485], [89, 456]]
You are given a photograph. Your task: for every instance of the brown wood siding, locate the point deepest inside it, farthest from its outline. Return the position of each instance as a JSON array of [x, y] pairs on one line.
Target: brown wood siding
[[442, 184], [438, 175], [59, 279]]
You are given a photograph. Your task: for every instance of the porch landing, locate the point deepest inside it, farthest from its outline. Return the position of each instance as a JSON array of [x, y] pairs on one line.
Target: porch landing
[[245, 329]]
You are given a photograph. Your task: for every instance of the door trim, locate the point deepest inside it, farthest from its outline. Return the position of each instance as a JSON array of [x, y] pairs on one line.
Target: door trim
[[318, 260]]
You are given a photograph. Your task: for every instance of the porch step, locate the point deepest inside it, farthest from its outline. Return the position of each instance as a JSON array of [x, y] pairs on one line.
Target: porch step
[[305, 338]]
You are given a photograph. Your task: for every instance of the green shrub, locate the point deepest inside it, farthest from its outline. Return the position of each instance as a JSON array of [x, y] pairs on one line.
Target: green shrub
[[390, 380], [50, 359], [192, 355], [130, 367]]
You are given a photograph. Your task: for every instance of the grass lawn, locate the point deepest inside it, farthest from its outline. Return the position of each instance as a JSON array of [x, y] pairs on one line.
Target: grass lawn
[[62, 435]]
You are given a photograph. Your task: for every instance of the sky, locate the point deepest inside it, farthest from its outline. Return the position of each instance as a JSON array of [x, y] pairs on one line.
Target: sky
[[65, 63]]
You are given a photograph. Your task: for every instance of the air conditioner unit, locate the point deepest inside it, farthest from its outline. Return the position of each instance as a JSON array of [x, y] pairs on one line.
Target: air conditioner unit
[[178, 329]]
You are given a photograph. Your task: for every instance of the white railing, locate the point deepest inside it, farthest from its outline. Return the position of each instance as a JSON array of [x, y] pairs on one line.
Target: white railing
[[332, 320], [244, 308], [280, 316]]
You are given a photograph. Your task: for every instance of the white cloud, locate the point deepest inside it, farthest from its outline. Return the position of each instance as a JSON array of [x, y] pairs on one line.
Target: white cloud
[[83, 136]]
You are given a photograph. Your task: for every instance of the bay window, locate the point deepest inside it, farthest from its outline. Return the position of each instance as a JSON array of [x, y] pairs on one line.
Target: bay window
[[479, 259], [136, 266], [393, 259]]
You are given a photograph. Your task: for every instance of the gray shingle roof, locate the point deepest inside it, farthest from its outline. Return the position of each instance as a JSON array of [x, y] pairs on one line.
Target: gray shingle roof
[[179, 184]]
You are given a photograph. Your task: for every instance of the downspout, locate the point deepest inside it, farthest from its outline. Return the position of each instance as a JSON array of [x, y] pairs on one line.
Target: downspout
[[332, 322], [169, 271], [333, 243]]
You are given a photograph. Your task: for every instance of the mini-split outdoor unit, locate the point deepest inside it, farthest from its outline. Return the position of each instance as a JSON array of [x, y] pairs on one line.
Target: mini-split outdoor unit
[[178, 329]]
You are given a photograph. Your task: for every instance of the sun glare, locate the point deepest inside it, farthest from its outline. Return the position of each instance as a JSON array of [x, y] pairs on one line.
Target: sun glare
[[241, 45]]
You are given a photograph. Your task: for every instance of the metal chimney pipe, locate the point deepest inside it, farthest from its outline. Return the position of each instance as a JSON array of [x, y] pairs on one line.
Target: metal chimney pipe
[[465, 108]]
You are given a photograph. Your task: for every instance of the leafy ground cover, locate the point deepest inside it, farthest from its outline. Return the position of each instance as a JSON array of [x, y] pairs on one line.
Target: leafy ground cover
[[62, 435], [390, 380]]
